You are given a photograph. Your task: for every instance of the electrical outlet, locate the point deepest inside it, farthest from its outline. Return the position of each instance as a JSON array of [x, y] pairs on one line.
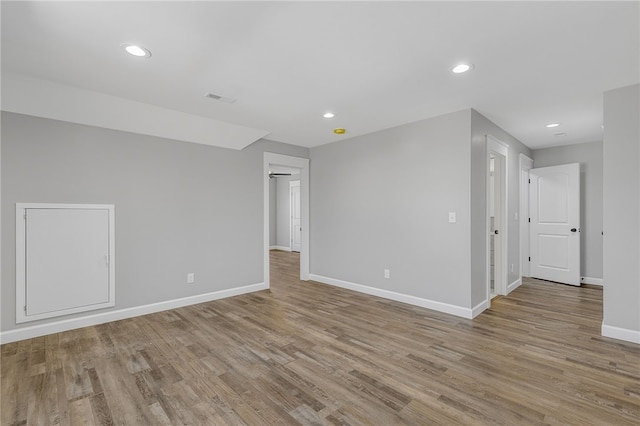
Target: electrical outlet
[[452, 217], [512, 268], [191, 278], [387, 273]]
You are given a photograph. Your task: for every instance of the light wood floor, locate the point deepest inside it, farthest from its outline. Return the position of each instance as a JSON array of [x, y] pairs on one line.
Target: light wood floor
[[307, 353]]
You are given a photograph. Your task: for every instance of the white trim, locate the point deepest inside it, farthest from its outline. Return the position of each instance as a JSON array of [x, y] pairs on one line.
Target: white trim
[[625, 334], [517, 283], [592, 281], [101, 318], [303, 165], [283, 248], [399, 297], [480, 308], [21, 261]]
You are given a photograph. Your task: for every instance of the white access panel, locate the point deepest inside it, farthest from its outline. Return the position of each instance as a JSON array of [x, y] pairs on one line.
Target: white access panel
[[64, 259]]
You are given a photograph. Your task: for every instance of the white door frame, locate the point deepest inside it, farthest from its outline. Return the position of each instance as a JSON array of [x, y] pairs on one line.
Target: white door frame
[[303, 165], [526, 164], [501, 152]]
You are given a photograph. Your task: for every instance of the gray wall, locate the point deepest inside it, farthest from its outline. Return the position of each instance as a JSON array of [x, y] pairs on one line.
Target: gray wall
[[589, 155], [480, 127], [180, 207], [621, 209], [382, 200]]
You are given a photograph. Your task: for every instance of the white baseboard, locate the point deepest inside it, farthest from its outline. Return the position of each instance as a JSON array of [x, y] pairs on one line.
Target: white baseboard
[[101, 318], [625, 334], [479, 308], [399, 297], [517, 283], [283, 248], [592, 281]]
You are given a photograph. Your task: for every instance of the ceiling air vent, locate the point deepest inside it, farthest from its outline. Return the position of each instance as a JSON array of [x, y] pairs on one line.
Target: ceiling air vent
[[220, 98]]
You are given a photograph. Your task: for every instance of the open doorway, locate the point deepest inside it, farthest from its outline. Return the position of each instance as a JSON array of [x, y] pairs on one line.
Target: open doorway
[[497, 154], [284, 209], [278, 173]]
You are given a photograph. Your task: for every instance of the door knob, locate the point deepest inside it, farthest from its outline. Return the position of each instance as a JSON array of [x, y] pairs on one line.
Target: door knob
[[495, 232], [573, 230]]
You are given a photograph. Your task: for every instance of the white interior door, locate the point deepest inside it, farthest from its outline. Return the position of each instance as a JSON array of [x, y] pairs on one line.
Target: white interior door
[[497, 180], [526, 164], [555, 223], [296, 227], [496, 226]]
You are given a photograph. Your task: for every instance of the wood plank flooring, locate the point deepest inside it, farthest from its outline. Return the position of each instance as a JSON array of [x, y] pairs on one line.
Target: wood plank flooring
[[311, 354]]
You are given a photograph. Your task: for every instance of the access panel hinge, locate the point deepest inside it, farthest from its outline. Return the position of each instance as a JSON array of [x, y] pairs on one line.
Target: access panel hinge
[[529, 180], [529, 258]]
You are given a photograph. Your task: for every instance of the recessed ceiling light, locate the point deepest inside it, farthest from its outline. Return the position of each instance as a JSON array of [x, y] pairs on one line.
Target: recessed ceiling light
[[328, 115], [553, 125], [136, 50], [339, 131], [460, 68]]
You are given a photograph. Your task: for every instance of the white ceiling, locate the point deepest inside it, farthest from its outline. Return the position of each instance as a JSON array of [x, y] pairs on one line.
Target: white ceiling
[[374, 64]]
